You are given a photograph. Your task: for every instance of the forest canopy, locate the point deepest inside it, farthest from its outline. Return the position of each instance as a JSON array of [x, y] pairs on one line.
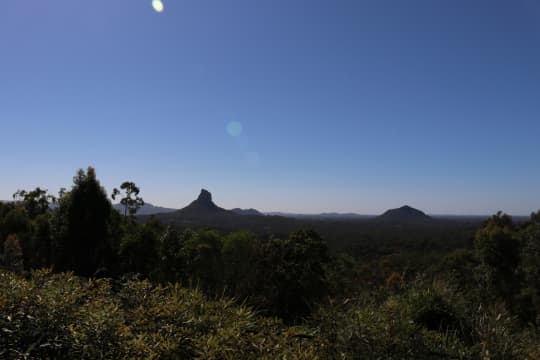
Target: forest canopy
[[83, 279]]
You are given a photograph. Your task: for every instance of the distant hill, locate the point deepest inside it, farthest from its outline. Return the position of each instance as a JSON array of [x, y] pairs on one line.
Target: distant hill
[[355, 233], [203, 212], [146, 209], [247, 211], [404, 214]]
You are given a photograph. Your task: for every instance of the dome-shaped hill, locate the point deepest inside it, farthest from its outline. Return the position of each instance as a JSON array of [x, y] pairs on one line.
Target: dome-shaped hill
[[404, 214]]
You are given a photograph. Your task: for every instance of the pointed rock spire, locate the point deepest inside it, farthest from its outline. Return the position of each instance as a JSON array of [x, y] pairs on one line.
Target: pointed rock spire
[[203, 204], [205, 197]]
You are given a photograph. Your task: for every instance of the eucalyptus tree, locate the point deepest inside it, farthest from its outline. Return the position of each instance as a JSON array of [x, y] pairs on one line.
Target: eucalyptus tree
[[131, 201]]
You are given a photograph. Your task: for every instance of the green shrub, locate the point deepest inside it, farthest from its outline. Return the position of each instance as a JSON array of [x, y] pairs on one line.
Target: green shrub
[[362, 329], [60, 316], [431, 311], [499, 336]]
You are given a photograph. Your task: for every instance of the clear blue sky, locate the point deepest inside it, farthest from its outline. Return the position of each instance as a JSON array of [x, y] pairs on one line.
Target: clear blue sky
[[344, 105]]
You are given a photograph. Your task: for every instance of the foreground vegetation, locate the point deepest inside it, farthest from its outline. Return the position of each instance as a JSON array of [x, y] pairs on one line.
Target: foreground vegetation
[[51, 316], [55, 316], [117, 289]]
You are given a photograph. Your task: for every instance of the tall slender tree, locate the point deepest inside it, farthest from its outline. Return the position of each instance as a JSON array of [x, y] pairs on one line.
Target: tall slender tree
[[131, 201]]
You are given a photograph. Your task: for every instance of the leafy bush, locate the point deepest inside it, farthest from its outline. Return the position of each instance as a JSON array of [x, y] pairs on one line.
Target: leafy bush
[[62, 316], [498, 335], [359, 329], [430, 310]]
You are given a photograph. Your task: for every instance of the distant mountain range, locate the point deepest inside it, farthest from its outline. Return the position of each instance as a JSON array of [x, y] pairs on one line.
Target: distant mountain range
[[342, 231], [146, 209], [203, 212], [204, 206]]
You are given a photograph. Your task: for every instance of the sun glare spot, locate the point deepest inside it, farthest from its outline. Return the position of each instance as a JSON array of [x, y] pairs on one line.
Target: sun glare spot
[[234, 128], [158, 5]]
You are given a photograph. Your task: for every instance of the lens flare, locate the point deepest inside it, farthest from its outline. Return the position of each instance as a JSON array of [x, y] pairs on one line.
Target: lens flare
[[234, 128], [158, 5]]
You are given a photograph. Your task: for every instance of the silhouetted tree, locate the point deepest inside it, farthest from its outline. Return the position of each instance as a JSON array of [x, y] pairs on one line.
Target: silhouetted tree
[[131, 200], [82, 225], [35, 202]]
